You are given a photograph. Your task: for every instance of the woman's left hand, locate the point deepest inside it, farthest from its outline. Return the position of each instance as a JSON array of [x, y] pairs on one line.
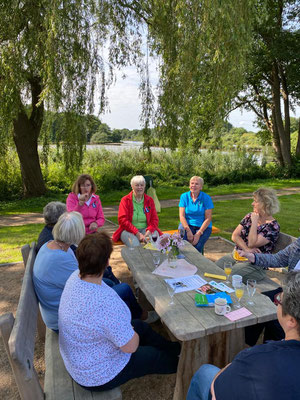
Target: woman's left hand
[[196, 238], [93, 226], [254, 217]]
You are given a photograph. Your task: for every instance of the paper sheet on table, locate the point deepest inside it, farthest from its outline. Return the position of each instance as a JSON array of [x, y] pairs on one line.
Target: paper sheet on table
[[238, 314], [183, 268], [186, 283], [150, 246]]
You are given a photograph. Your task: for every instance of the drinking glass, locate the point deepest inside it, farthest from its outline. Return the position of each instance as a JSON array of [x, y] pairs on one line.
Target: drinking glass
[[251, 288], [181, 231], [171, 291], [228, 270], [156, 259], [154, 237], [239, 292]]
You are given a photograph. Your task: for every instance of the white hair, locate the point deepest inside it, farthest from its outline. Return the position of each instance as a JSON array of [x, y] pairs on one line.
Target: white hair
[[69, 228], [138, 179]]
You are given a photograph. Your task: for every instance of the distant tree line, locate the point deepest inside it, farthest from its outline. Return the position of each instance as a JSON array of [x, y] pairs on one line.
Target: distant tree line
[[222, 137]]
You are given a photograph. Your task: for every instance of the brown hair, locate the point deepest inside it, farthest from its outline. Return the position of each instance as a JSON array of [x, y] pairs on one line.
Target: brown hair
[[81, 180], [93, 254]]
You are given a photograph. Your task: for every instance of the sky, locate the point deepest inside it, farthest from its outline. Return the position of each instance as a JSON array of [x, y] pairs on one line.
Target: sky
[[125, 104]]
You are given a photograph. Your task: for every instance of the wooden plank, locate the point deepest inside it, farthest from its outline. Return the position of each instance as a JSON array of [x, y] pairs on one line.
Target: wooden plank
[[58, 383], [28, 388], [22, 338], [25, 250]]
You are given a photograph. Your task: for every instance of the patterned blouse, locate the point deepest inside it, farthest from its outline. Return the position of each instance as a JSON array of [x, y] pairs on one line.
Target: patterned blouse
[[94, 323], [270, 231]]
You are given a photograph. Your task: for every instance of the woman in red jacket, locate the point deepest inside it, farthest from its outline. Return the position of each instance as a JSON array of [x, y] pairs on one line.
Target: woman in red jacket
[[84, 200], [137, 215]]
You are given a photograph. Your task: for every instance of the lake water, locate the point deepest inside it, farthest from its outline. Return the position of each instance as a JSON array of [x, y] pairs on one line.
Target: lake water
[[129, 145]]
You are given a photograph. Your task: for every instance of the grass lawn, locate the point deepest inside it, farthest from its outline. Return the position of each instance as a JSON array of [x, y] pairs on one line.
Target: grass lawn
[[36, 204], [14, 237]]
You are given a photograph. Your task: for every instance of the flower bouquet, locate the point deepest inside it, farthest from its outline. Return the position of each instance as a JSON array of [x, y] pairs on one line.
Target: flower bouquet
[[170, 244]]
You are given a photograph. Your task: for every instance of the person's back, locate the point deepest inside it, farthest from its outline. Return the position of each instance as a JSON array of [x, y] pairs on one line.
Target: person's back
[[51, 270], [266, 372]]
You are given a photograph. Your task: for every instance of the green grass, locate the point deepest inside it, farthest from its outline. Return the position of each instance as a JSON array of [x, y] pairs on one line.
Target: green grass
[[165, 192], [14, 237]]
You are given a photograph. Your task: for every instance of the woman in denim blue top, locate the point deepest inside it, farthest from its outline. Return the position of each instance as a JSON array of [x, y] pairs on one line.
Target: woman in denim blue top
[[195, 213]]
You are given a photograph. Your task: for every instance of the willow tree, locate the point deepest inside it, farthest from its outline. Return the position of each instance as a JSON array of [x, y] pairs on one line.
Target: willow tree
[[272, 79], [50, 56]]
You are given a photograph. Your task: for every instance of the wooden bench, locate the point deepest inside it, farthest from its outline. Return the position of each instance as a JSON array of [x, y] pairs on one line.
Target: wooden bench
[[19, 339]]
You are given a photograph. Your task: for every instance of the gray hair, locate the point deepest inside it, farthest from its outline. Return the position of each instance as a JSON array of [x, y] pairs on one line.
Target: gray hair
[[52, 211], [201, 180], [291, 296], [138, 179], [69, 228], [268, 198]]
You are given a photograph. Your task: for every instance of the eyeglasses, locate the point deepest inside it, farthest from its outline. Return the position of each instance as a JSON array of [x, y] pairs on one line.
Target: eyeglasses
[[277, 299]]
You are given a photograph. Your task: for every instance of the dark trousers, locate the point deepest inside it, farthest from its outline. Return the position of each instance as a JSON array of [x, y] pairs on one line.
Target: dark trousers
[[203, 238], [273, 330], [155, 355]]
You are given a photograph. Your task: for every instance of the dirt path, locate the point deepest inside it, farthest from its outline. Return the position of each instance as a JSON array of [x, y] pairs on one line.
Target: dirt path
[[109, 211]]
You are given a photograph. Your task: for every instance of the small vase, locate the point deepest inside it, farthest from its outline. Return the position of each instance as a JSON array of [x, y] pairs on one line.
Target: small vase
[[172, 258]]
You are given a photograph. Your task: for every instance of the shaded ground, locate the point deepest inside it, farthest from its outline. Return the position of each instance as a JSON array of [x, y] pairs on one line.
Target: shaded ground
[[155, 387]]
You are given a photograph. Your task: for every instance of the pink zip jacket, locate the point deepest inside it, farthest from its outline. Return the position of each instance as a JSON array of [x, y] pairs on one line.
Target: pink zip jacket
[[91, 213]]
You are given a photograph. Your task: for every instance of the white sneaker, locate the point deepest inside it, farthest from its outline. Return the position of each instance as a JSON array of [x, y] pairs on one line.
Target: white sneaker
[[152, 317]]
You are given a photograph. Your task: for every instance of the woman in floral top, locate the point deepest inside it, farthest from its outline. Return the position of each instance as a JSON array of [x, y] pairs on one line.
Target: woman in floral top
[[256, 233]]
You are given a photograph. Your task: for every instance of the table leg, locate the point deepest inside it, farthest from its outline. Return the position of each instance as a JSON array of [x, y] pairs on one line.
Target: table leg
[[218, 349]]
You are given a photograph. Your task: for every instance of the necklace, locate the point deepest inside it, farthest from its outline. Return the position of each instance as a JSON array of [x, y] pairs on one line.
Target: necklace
[[60, 245]]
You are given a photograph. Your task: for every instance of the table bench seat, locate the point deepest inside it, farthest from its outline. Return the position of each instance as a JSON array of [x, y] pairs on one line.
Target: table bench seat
[[19, 339]]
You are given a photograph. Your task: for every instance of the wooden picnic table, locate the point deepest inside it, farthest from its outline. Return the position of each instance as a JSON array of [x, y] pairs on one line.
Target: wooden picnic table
[[206, 337]]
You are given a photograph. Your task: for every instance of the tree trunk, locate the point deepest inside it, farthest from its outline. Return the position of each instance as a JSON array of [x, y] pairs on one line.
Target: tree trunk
[[275, 140], [284, 142], [26, 133], [298, 141]]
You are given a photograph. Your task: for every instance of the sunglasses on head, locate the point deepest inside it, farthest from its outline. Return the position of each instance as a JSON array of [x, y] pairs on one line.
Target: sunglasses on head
[[277, 299]]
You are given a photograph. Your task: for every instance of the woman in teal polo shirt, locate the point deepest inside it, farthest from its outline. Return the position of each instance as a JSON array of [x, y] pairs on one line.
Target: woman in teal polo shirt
[[195, 213]]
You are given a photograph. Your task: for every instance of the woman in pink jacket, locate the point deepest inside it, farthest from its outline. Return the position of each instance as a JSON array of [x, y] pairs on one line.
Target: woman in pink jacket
[[84, 200]]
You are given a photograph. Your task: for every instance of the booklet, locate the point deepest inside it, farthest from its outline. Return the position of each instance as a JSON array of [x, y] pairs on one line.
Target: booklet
[[208, 300], [207, 289]]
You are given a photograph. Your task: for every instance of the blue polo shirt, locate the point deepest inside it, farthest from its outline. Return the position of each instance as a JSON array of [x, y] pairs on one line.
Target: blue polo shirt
[[195, 211]]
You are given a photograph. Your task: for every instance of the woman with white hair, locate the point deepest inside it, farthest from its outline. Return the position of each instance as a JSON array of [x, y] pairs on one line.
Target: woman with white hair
[[256, 233], [137, 215], [54, 263], [195, 213]]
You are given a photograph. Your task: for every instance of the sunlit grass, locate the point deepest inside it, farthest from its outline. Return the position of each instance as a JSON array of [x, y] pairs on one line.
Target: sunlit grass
[[12, 238]]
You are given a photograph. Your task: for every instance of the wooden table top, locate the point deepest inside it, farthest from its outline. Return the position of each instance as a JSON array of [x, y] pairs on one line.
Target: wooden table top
[[184, 319]]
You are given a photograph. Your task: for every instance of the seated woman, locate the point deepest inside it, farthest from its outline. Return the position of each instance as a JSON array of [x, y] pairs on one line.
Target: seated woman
[[267, 371], [51, 212], [84, 200], [55, 262], [195, 213], [137, 215], [100, 345], [257, 233]]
